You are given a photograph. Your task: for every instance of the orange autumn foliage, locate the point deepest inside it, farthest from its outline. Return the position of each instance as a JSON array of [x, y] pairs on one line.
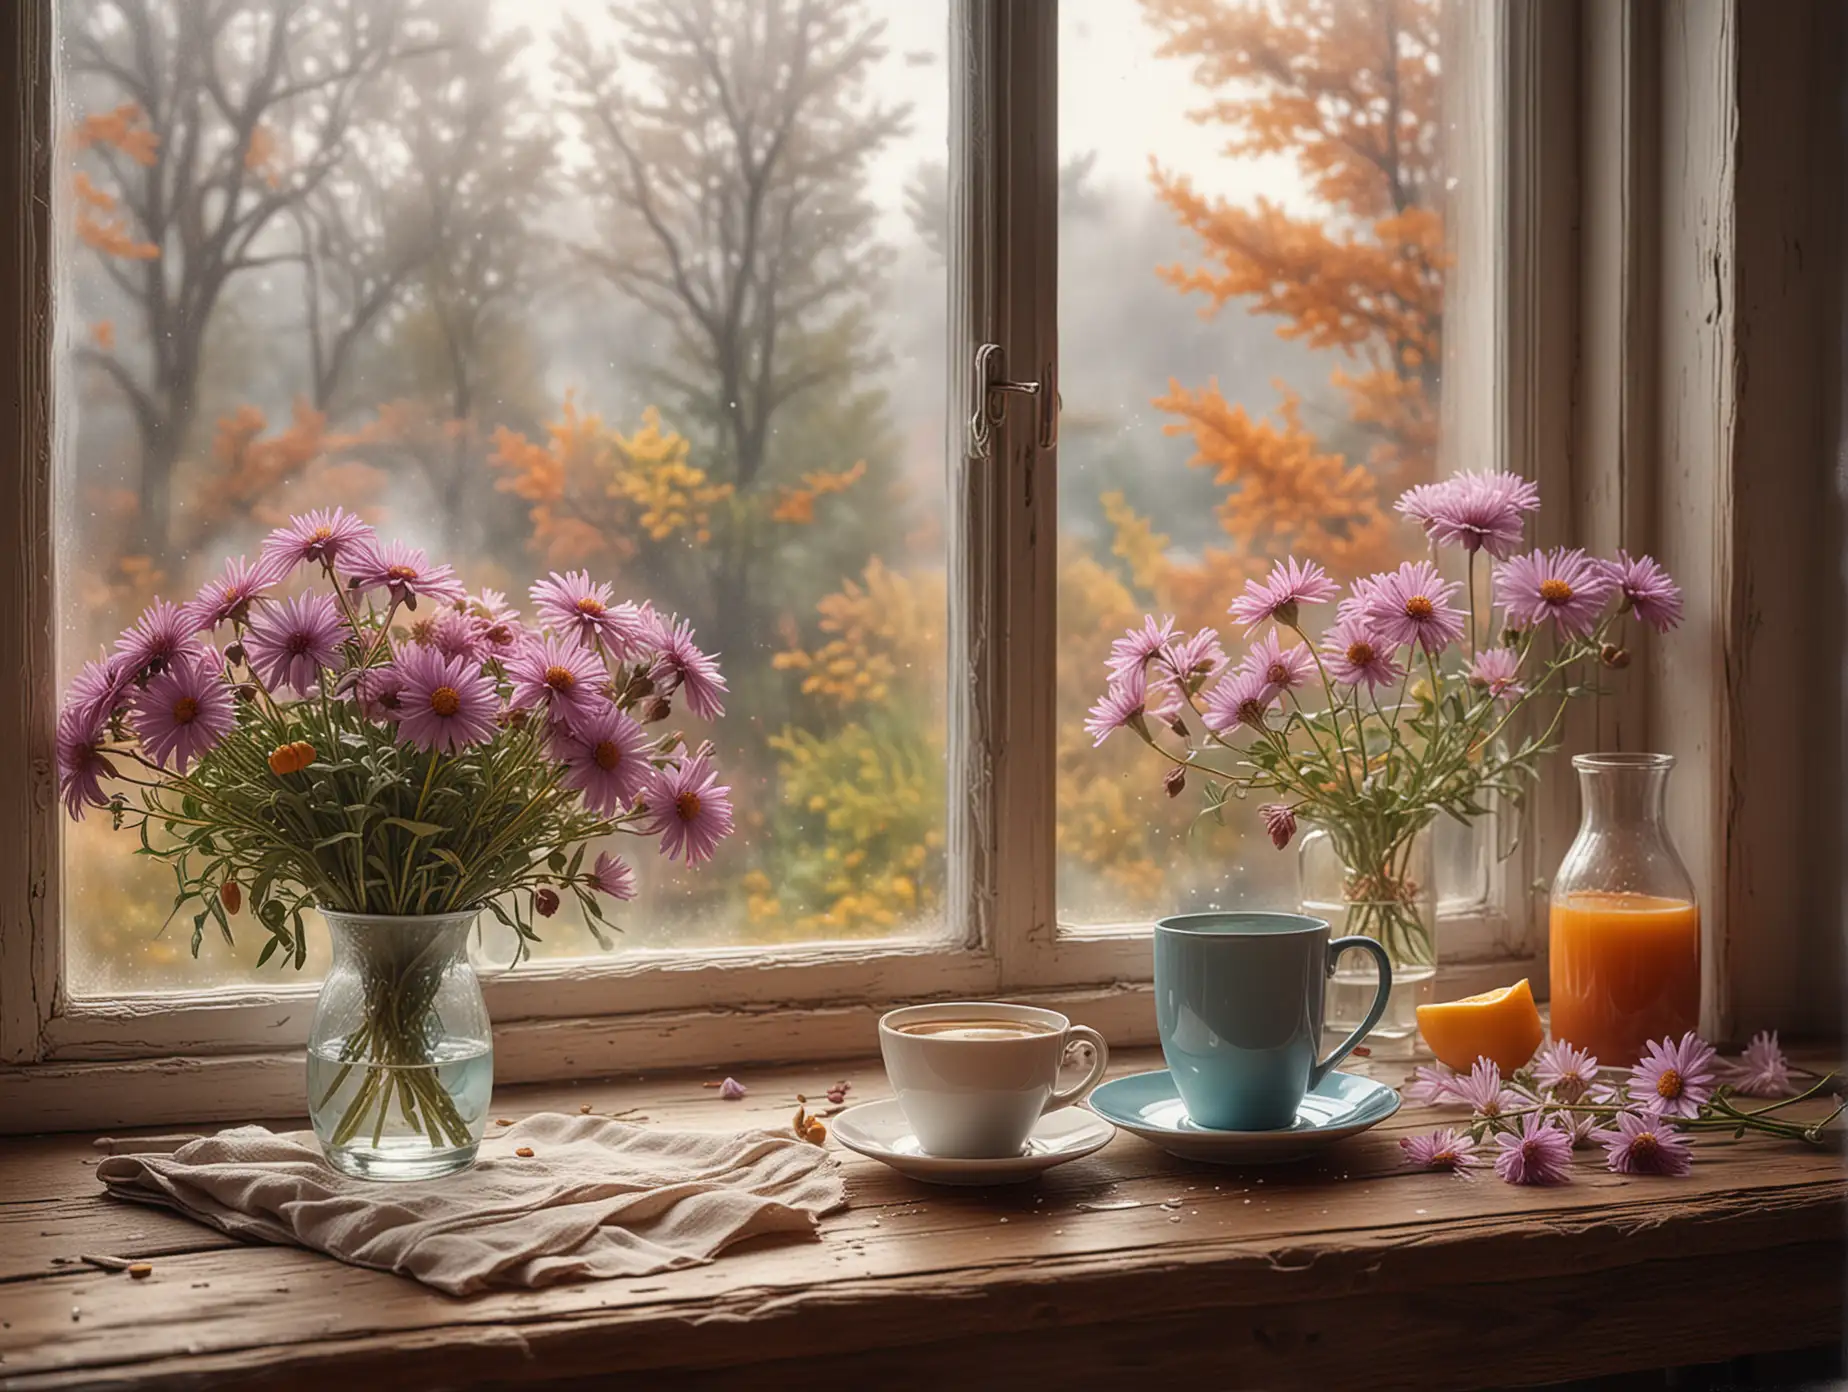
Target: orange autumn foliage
[[798, 504], [1349, 91], [125, 128]]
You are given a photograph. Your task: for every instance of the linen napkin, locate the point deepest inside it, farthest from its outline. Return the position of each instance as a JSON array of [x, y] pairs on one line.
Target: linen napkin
[[596, 1199]]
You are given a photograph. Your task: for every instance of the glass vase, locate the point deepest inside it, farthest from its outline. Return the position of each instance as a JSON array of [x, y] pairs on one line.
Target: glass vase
[[400, 1053], [1389, 895], [1624, 923]]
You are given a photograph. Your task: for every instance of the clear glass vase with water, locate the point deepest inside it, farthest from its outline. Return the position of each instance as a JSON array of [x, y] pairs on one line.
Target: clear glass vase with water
[[400, 1052], [1383, 889]]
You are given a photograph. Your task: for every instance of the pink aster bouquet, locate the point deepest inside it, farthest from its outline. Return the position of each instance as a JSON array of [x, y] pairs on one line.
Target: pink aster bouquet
[[1411, 704], [382, 742], [1641, 1117]]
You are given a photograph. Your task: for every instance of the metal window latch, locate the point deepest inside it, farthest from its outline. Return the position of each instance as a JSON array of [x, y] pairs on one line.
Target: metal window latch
[[991, 390]]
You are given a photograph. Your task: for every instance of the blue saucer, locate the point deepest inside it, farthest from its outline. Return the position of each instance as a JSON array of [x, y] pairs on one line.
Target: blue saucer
[[1147, 1105]]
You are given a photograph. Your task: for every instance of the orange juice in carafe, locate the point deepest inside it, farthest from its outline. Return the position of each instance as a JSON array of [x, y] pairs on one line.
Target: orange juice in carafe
[[1625, 925], [1625, 970]]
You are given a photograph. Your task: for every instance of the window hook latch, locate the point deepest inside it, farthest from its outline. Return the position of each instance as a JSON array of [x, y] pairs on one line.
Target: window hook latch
[[991, 392]]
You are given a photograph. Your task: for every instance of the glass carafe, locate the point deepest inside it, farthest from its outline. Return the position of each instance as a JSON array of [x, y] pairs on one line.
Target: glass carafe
[[1625, 925]]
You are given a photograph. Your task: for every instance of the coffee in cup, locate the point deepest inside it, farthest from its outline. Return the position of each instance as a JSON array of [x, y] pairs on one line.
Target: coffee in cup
[[974, 1077]]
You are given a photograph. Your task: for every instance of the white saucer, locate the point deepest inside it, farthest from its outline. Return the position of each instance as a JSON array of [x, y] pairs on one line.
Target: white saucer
[[1147, 1105], [879, 1131]]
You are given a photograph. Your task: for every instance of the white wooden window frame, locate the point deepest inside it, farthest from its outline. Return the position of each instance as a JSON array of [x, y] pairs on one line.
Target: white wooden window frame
[[71, 1061]]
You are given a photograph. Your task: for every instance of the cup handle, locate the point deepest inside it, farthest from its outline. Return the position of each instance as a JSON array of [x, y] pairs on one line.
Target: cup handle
[[1100, 1060], [1378, 1008]]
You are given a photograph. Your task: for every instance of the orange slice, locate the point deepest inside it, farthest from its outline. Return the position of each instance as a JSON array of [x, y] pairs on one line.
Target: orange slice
[[1501, 1025]]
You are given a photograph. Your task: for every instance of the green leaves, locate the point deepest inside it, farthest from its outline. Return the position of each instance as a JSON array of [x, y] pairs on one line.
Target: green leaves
[[370, 826]]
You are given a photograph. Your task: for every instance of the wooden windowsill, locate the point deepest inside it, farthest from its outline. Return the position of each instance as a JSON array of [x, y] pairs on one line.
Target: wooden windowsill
[[1347, 1272]]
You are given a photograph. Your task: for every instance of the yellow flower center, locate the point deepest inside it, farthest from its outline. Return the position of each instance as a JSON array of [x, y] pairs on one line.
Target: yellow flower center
[[185, 710], [687, 805], [590, 605], [1419, 607], [1555, 591], [445, 701], [560, 678], [1645, 1145], [1360, 653], [1669, 1084], [609, 755], [322, 534], [401, 572]]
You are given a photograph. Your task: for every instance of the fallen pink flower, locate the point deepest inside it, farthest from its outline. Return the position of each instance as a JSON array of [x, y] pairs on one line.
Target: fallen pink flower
[[731, 1089]]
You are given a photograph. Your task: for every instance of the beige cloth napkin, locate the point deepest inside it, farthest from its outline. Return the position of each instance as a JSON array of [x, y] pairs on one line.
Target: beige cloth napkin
[[596, 1199]]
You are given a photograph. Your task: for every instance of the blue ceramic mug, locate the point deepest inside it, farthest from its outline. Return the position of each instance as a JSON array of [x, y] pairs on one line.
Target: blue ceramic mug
[[1239, 1002]]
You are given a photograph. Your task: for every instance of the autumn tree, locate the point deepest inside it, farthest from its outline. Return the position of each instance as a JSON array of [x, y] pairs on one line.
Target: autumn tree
[[1348, 90], [327, 145], [730, 143]]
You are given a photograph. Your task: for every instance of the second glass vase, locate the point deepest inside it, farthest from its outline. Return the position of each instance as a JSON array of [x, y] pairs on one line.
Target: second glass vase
[[1394, 902]]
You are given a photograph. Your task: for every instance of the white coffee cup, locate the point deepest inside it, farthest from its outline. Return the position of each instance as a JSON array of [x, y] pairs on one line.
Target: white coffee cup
[[974, 1076]]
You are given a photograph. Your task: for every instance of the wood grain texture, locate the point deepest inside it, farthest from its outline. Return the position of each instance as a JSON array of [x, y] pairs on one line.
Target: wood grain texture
[[1349, 1271], [28, 785]]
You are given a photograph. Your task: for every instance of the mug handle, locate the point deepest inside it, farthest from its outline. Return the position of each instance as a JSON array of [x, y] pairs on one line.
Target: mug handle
[[1377, 1009], [1100, 1060]]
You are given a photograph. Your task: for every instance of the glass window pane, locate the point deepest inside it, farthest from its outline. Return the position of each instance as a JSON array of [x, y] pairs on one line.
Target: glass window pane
[[1252, 260], [649, 289]]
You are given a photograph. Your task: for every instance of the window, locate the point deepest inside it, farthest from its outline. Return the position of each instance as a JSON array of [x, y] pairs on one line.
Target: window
[[656, 291]]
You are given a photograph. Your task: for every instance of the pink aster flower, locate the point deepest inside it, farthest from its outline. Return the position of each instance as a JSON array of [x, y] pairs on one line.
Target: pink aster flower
[[612, 876], [158, 639], [1186, 664], [605, 754], [1474, 511], [498, 628], [1647, 590], [81, 763], [316, 537], [1497, 671], [1674, 1077], [1281, 668], [1241, 698], [445, 703], [679, 665], [1138, 645], [1279, 822], [227, 598], [455, 633], [1412, 605], [291, 643], [185, 710], [1482, 1091], [1447, 1149], [1290, 584], [1581, 1128], [1643, 1143], [561, 674], [573, 605], [1539, 1153], [1432, 1084], [379, 692], [1353, 654], [1126, 702], [690, 809], [1564, 585], [97, 692], [1565, 1072], [403, 571], [1762, 1070]]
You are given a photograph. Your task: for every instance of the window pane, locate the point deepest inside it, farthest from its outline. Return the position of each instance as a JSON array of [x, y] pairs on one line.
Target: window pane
[[1250, 307], [649, 289]]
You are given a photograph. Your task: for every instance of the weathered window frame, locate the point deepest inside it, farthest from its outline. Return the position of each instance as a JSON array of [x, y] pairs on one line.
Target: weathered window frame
[[1525, 392]]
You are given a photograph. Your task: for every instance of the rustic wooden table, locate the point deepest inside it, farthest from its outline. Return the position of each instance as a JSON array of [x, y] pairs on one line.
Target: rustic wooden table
[[1350, 1272]]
